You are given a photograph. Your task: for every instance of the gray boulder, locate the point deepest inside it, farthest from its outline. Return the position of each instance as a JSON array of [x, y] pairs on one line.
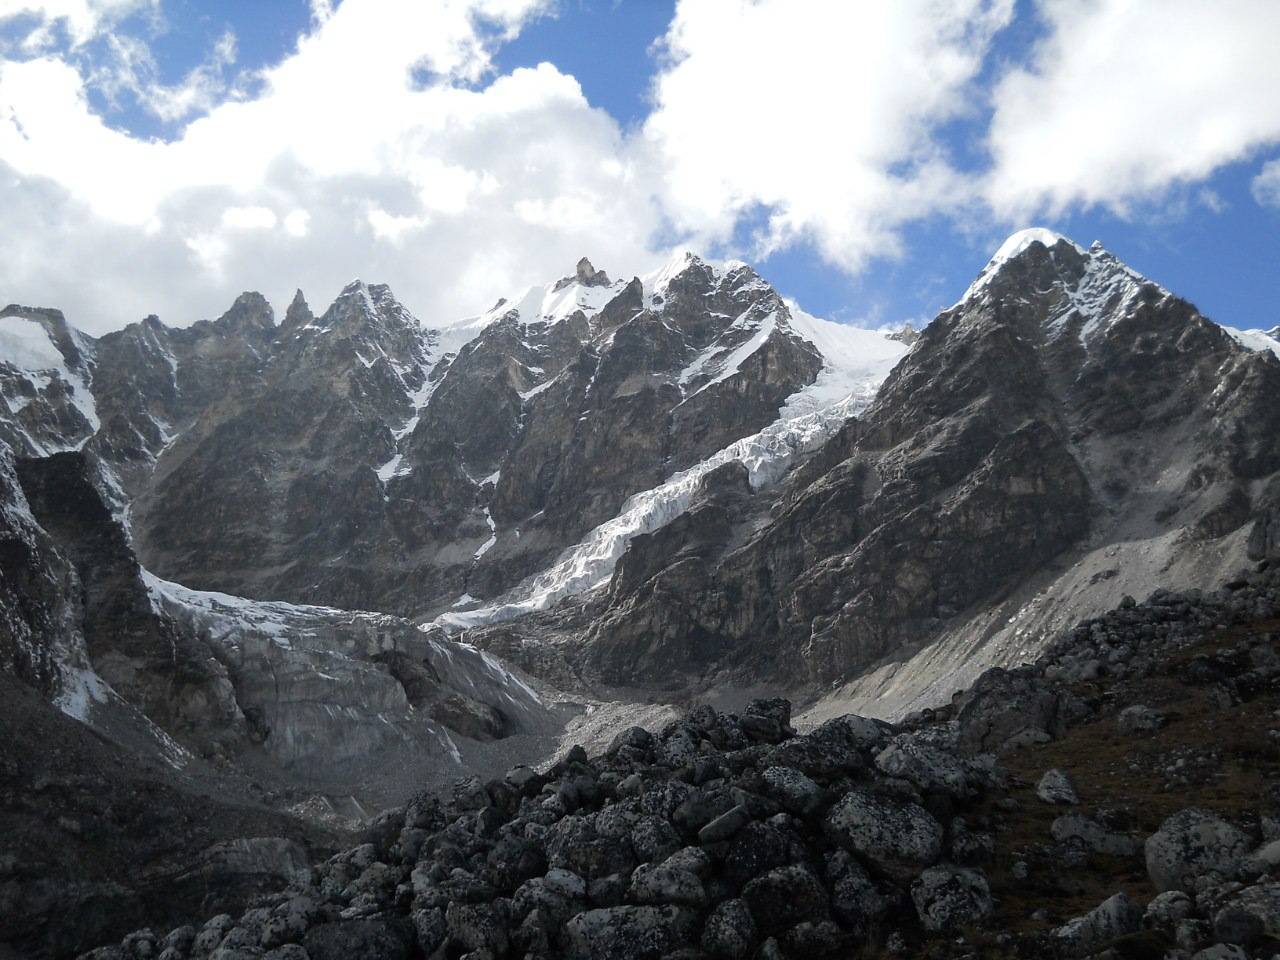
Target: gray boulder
[[784, 897], [929, 768], [666, 883], [947, 898], [730, 930], [1263, 901], [1138, 719], [796, 792], [367, 939], [480, 926], [1166, 909], [899, 839], [1190, 844], [1111, 919], [625, 933], [1057, 787], [1093, 836]]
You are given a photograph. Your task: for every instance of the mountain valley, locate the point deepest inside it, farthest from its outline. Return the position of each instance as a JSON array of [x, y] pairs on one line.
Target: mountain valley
[[275, 579]]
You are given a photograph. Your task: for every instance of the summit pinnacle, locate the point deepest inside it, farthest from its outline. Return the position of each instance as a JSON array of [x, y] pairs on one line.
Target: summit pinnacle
[[589, 276]]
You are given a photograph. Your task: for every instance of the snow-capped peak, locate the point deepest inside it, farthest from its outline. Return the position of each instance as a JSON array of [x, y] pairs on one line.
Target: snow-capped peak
[[657, 283], [1016, 245], [1023, 239], [549, 302], [364, 303], [1097, 283]]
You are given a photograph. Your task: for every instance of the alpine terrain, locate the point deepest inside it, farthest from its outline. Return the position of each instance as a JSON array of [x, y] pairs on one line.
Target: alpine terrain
[[641, 618]]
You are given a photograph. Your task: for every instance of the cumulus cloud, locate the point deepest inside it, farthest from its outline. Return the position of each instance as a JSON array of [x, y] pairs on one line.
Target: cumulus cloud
[[373, 151], [383, 145], [824, 114], [1123, 100]]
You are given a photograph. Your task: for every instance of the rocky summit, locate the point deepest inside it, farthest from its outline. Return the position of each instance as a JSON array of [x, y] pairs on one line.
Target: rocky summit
[[643, 618]]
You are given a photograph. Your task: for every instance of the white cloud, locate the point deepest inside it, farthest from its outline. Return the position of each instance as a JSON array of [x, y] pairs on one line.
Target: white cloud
[[1266, 185], [346, 163], [1126, 98], [81, 19], [249, 218], [382, 146], [825, 114]]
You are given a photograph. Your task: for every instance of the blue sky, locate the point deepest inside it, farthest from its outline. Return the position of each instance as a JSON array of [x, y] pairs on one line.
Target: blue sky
[[163, 155]]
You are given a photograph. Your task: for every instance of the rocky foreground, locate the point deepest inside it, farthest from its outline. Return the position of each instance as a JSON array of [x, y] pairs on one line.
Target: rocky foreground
[[1119, 798]]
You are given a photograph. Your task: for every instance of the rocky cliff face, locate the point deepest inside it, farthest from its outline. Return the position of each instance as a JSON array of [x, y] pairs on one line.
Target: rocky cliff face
[[1066, 414], [356, 457], [445, 463]]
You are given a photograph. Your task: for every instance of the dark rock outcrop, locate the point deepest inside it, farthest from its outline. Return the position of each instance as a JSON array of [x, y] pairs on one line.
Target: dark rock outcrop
[[1050, 412]]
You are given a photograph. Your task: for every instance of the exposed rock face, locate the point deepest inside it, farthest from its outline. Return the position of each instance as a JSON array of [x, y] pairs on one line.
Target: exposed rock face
[[1065, 406], [54, 409], [443, 462], [99, 840], [37, 613]]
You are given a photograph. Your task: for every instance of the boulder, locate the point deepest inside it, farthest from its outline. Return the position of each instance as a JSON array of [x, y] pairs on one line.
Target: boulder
[[625, 933], [796, 792], [1113, 918], [468, 717], [1093, 836], [666, 883], [784, 897], [480, 926], [899, 839], [1263, 901], [730, 930], [725, 826], [949, 898], [1138, 719], [367, 939], [1057, 787], [1190, 844], [929, 768]]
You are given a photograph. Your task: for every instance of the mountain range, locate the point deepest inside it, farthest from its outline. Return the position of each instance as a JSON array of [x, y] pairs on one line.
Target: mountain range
[[307, 567]]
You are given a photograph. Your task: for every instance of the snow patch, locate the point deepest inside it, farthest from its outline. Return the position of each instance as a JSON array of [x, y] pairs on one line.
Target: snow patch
[[493, 538], [534, 391], [26, 345], [27, 348], [1257, 340], [81, 687], [713, 357]]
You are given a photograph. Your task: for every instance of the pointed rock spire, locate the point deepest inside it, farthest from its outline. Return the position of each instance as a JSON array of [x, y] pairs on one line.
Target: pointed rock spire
[[589, 276], [299, 313]]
